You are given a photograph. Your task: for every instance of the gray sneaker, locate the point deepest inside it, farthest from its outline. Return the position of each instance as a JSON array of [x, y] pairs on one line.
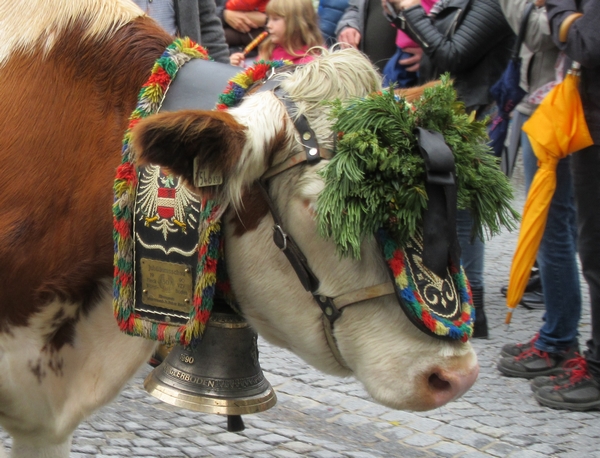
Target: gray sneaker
[[518, 348], [561, 378], [533, 363], [580, 393]]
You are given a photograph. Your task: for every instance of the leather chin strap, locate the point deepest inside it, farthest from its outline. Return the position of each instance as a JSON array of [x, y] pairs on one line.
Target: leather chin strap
[[312, 154]]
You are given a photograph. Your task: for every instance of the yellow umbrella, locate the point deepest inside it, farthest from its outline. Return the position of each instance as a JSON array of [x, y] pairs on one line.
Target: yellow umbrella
[[556, 129]]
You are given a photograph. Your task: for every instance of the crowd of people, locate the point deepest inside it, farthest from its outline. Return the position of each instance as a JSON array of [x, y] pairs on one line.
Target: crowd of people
[[415, 41]]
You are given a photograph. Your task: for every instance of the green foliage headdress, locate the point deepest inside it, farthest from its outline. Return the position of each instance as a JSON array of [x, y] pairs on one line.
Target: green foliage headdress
[[377, 176]]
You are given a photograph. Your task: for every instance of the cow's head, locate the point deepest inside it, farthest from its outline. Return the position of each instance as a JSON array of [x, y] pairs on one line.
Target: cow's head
[[399, 365]]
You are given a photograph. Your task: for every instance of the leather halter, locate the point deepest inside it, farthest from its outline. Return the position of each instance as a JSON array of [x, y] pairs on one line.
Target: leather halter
[[312, 154]]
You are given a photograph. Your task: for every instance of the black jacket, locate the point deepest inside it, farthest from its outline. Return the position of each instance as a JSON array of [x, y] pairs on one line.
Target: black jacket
[[583, 46], [470, 39]]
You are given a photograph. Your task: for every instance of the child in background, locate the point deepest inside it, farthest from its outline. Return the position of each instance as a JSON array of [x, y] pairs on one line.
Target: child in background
[[402, 68], [293, 28]]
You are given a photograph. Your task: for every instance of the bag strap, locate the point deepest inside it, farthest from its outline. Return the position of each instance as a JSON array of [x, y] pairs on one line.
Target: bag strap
[[522, 30]]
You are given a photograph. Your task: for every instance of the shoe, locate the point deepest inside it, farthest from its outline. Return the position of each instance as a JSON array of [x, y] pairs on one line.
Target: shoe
[[533, 300], [581, 392], [480, 327], [560, 379], [533, 296], [516, 349], [533, 363]]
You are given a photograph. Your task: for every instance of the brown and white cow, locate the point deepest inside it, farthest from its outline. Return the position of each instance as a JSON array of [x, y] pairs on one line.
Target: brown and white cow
[[70, 72]]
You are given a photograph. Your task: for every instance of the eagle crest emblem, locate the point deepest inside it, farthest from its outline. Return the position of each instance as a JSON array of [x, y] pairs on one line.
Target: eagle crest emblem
[[164, 203]]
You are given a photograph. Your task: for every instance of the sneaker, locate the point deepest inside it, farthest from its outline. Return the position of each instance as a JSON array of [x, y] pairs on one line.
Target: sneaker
[[516, 349], [533, 296], [581, 392], [533, 363], [561, 378]]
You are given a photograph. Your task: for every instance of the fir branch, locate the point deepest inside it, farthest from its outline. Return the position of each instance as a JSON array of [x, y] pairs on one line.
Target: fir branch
[[377, 177]]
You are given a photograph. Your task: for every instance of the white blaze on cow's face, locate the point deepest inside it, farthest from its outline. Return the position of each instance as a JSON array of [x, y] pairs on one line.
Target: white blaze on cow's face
[[399, 365]]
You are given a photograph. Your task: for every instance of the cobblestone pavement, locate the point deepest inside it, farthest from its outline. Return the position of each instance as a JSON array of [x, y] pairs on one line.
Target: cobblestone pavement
[[327, 417]]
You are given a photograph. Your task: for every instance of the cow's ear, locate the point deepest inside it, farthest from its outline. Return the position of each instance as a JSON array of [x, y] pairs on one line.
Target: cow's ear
[[175, 139]]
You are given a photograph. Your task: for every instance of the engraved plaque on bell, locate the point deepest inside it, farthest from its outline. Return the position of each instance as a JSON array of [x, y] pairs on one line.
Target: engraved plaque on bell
[[167, 285], [222, 375]]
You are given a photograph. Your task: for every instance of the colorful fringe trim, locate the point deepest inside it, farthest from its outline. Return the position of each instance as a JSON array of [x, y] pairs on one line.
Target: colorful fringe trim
[[460, 329], [240, 83], [150, 98], [211, 273]]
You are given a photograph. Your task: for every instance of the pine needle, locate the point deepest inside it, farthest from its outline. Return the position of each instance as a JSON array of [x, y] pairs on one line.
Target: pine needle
[[377, 176]]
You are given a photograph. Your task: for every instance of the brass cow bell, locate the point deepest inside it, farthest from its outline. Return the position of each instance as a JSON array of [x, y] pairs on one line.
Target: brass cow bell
[[221, 375]]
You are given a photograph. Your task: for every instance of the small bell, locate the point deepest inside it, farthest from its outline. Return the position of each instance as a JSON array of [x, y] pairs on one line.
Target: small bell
[[221, 375]]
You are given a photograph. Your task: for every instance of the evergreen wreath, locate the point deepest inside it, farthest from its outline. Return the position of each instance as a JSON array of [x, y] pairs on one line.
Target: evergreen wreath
[[377, 177]]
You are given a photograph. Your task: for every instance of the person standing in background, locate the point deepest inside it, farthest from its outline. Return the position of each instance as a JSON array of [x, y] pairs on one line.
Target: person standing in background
[[403, 66], [574, 26], [364, 26], [196, 19], [556, 342], [472, 41]]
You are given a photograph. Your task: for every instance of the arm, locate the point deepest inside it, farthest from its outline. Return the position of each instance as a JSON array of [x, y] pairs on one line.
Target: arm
[[582, 38], [481, 29], [211, 32], [239, 20], [351, 17], [537, 36]]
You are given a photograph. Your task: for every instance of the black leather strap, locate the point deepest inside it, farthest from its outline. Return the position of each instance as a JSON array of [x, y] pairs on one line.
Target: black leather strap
[[522, 31], [440, 242]]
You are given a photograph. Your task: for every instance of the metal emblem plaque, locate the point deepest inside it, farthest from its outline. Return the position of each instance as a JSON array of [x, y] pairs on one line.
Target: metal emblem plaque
[[167, 285]]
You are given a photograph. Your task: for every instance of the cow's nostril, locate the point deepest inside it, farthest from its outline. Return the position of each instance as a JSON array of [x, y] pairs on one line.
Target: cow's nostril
[[438, 384]]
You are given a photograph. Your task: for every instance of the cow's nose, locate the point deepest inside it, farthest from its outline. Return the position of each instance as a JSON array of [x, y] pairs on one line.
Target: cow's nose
[[447, 385]]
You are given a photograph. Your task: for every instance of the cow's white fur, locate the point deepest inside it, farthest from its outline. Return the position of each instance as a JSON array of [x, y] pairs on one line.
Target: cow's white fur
[[383, 349], [42, 416], [23, 22]]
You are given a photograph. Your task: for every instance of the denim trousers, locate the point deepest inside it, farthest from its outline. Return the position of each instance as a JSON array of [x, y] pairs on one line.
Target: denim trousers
[[472, 249], [557, 258], [585, 167]]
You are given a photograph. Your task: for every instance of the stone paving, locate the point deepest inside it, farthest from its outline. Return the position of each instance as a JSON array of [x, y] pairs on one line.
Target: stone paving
[[327, 417]]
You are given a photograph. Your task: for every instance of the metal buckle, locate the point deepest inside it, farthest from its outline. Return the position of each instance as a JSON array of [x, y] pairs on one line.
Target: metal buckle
[[280, 237]]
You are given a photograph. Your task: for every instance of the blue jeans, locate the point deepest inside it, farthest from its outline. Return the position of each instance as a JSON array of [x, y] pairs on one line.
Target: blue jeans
[[472, 250], [557, 258]]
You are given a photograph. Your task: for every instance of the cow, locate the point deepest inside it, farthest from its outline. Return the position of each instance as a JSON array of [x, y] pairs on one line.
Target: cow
[[71, 71]]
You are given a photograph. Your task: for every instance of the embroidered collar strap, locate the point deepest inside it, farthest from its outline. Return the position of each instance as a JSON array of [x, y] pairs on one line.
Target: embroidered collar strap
[[149, 101], [210, 274]]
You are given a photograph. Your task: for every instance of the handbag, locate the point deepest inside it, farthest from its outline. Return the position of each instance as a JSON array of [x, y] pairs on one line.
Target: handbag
[[506, 91]]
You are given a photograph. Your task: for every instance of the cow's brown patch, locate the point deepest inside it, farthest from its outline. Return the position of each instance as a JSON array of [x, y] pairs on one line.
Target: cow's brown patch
[[253, 209], [63, 119], [174, 139]]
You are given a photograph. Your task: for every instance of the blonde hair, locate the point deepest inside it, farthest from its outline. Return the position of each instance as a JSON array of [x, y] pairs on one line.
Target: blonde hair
[[301, 26]]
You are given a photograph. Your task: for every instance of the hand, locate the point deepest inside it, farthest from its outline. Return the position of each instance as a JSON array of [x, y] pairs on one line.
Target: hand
[[238, 20], [412, 63], [237, 59], [539, 3], [349, 37]]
